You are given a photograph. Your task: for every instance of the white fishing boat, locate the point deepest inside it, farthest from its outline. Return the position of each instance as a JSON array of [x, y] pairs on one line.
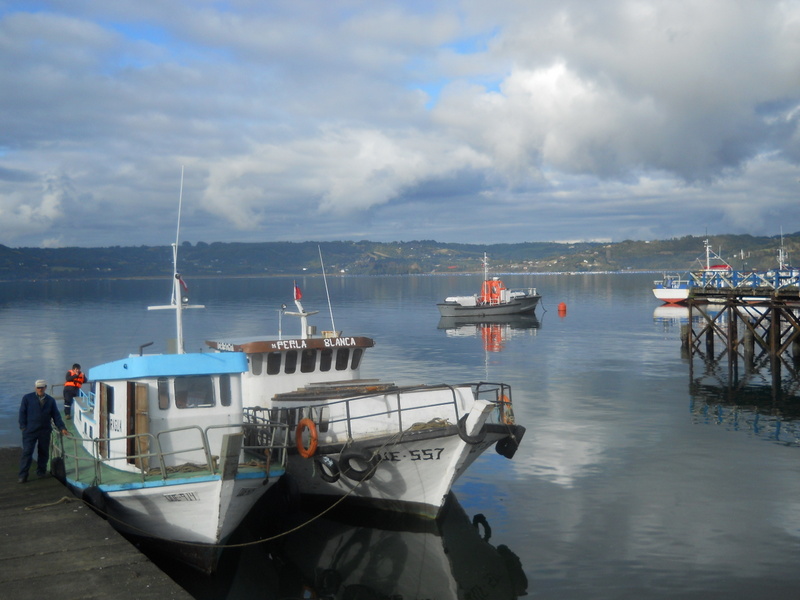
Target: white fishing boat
[[715, 273], [163, 446], [672, 289], [494, 299], [394, 447]]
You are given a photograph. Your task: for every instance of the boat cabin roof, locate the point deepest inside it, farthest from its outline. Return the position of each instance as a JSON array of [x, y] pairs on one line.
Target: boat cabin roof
[[257, 346], [170, 365]]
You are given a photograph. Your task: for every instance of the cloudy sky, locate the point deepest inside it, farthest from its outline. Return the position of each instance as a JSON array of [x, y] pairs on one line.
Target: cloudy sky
[[457, 121]]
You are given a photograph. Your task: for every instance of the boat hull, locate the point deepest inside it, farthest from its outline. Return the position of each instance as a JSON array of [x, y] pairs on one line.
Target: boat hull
[[517, 306], [192, 519], [671, 295], [411, 475]]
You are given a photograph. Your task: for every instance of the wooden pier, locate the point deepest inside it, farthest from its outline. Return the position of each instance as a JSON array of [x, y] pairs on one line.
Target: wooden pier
[[744, 347], [54, 546]]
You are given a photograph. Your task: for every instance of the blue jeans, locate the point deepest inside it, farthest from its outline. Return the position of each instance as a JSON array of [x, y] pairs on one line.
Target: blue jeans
[[29, 443]]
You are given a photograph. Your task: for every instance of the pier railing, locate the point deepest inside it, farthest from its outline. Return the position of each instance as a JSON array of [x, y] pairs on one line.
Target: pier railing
[[720, 279]]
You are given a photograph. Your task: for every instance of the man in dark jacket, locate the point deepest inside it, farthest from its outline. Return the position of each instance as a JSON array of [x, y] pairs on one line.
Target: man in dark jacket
[[36, 411]]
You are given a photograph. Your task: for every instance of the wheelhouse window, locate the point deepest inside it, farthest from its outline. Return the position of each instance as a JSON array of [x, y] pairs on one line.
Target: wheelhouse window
[[273, 363], [225, 394], [256, 363], [163, 393], [308, 360], [357, 354], [194, 391], [291, 362], [325, 359], [342, 359]]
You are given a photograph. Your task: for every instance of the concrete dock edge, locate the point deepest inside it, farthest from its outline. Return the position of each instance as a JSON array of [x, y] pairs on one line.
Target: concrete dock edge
[[54, 546]]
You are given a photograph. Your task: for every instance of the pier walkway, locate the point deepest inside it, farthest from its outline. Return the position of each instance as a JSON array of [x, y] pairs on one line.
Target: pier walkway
[[54, 546]]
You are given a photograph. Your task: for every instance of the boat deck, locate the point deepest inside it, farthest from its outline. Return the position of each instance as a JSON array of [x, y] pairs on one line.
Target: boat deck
[[81, 467]]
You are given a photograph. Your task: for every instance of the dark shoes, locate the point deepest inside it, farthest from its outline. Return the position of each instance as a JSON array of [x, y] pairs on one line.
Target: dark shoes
[[22, 480], [41, 475]]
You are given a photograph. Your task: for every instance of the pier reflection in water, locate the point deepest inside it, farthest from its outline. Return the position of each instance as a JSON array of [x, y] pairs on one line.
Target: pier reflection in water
[[747, 389], [362, 556]]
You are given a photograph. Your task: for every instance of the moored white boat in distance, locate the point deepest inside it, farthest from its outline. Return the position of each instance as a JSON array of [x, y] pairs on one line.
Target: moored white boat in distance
[[164, 448], [391, 447], [675, 289], [494, 299], [672, 289]]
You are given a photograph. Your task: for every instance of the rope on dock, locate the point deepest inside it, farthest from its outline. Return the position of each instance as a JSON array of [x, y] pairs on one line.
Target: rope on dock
[[62, 500]]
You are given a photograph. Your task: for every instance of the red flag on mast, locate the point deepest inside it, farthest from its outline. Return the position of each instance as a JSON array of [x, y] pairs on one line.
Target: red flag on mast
[[297, 293]]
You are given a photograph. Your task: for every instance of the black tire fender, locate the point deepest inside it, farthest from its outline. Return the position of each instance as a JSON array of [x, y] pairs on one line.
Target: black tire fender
[[469, 439], [362, 455], [507, 446], [327, 468]]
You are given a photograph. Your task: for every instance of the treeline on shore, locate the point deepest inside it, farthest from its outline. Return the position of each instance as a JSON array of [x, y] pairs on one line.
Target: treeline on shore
[[221, 259]]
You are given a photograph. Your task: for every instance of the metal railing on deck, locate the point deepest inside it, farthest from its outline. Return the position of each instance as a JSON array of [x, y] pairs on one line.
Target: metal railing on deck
[[264, 440], [498, 393]]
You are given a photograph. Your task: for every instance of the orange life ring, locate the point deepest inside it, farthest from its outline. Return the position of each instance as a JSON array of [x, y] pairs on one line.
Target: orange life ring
[[506, 412], [302, 450]]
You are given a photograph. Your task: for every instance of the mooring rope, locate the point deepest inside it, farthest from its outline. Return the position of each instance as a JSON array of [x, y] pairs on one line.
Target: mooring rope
[[62, 500]]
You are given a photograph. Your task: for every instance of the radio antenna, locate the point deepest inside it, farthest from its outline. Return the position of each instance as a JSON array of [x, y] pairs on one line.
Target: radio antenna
[[327, 293]]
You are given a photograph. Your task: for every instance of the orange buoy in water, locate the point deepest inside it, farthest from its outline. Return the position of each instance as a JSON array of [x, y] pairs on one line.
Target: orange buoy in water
[[562, 309]]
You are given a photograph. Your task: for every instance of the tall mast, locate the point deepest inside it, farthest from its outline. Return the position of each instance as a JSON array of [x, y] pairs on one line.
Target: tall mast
[[178, 302]]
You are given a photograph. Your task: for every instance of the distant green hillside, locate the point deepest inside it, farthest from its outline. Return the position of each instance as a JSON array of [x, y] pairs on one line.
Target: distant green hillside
[[374, 258]]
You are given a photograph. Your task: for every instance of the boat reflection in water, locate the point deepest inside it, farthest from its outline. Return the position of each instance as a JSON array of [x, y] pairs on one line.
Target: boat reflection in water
[[368, 556], [675, 315], [493, 331]]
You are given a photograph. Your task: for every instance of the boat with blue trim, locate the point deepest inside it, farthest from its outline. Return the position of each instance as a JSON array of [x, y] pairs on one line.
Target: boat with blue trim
[[676, 288], [163, 446]]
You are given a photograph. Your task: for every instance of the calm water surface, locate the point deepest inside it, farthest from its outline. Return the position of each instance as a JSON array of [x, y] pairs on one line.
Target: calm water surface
[[630, 482]]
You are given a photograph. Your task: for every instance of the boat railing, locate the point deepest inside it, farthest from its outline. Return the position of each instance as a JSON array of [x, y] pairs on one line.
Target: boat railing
[[672, 281], [400, 413], [264, 436], [531, 291], [266, 439]]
